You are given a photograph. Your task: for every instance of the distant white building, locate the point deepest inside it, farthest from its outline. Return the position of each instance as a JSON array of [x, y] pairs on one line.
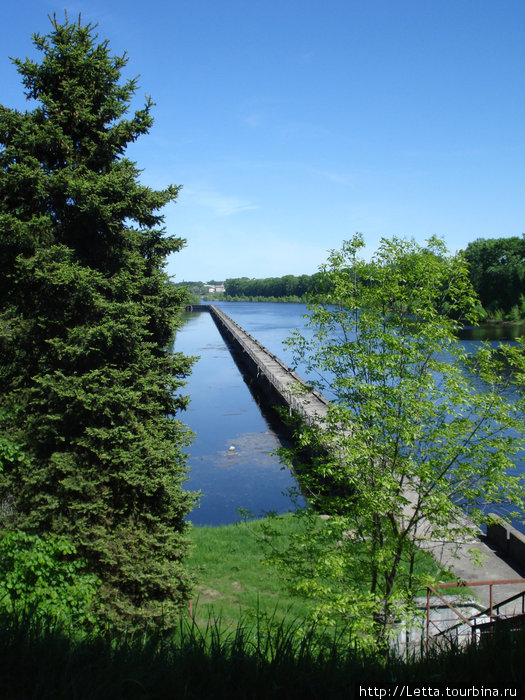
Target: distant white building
[[215, 288]]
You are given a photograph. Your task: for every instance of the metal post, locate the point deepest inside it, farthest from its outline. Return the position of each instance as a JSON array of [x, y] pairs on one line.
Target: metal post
[[428, 619]]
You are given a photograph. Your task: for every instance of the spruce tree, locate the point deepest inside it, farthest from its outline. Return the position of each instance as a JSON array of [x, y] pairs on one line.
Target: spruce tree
[[88, 387]]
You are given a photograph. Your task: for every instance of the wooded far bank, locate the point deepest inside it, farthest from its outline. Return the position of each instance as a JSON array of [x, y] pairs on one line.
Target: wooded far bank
[[496, 268]]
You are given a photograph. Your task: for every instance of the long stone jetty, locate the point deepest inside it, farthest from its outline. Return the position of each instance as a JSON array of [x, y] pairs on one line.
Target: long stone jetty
[[273, 379], [280, 385]]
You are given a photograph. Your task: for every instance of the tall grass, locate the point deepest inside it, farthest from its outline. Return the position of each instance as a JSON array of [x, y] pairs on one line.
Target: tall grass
[[260, 646], [41, 661]]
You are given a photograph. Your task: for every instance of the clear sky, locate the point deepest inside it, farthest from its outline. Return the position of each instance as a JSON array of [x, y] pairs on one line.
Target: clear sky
[[291, 124]]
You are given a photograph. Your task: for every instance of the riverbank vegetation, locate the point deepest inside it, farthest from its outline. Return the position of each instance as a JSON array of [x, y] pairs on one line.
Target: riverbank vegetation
[[408, 444], [234, 581], [238, 644], [496, 271], [236, 578]]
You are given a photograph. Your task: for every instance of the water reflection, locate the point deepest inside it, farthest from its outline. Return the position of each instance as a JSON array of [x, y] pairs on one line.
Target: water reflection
[[493, 331], [231, 460]]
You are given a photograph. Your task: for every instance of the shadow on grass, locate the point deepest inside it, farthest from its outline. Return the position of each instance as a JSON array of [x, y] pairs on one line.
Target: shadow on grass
[[40, 660]]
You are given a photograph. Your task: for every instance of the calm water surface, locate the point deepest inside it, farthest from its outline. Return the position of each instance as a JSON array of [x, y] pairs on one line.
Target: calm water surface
[[223, 413]]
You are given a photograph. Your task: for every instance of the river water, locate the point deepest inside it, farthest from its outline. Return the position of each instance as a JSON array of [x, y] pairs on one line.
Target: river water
[[232, 460]]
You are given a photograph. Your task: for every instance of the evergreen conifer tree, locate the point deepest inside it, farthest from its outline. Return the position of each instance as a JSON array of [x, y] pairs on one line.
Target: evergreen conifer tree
[[88, 387]]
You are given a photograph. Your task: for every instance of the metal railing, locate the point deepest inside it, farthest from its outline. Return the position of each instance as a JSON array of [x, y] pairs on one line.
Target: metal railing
[[481, 622]]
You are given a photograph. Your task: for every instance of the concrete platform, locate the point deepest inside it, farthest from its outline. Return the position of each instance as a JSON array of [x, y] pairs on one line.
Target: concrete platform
[[459, 558]]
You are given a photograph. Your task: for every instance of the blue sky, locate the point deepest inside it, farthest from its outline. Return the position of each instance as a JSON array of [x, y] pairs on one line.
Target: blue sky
[[291, 124]]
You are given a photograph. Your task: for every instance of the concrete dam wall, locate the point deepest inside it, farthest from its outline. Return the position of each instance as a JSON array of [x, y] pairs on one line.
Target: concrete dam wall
[[266, 374]]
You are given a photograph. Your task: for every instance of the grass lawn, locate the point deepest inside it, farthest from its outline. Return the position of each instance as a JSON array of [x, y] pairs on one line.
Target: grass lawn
[[234, 582]]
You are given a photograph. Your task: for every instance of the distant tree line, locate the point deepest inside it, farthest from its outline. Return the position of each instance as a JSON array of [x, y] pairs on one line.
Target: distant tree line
[[496, 270], [287, 286], [497, 273]]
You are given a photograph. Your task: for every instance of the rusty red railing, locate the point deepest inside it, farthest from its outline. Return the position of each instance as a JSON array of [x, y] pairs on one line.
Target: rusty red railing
[[478, 622]]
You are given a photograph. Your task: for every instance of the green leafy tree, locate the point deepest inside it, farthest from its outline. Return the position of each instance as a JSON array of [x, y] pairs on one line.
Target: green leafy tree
[[88, 388], [409, 442], [40, 575], [43, 576], [497, 272]]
